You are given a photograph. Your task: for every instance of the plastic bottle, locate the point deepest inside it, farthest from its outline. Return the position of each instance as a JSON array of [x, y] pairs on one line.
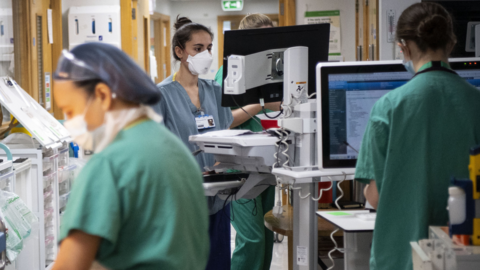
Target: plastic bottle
[[457, 205]]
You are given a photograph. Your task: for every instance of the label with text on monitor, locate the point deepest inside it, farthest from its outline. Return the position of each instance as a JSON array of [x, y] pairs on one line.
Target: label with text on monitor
[[351, 98]]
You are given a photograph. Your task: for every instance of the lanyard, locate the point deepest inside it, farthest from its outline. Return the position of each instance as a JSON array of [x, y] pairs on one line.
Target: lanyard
[[199, 110], [436, 66]]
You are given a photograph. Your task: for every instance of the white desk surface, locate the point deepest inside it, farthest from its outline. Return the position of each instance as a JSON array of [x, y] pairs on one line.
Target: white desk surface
[[347, 221]]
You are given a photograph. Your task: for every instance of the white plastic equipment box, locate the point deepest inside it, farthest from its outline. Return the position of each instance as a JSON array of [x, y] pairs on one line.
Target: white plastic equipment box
[[49, 140]]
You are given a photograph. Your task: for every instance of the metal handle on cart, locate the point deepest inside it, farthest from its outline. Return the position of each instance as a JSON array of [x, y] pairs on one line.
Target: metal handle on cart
[[3, 245], [7, 151]]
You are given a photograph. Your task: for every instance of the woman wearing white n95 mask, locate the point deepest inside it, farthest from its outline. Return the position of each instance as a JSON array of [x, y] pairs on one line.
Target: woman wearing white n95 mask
[[191, 106], [130, 207]]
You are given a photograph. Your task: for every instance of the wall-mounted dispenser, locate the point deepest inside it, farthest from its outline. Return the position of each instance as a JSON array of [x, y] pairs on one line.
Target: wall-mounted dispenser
[[94, 24]]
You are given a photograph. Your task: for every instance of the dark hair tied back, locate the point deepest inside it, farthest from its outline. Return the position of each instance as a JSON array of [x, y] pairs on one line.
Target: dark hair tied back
[[181, 22], [428, 24], [184, 28]]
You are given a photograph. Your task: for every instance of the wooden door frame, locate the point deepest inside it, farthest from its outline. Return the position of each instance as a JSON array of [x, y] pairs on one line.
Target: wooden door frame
[[161, 51], [127, 27], [22, 47], [146, 43], [366, 28], [57, 47], [220, 37]]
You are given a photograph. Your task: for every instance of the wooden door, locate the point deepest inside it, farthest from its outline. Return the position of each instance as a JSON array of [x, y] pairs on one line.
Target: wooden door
[[358, 29], [366, 33], [135, 21], [161, 45], [373, 30], [365, 29], [35, 54], [232, 22], [134, 39], [287, 12]]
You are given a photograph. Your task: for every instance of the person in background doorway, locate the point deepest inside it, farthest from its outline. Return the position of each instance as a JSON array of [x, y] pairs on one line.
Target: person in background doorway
[[417, 138], [131, 207], [253, 241], [192, 106]]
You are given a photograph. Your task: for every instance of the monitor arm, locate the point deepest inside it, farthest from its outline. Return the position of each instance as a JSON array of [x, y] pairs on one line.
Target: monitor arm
[[289, 66]]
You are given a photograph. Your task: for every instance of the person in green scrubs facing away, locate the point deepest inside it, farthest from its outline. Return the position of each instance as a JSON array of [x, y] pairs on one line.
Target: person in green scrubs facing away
[[417, 138], [253, 241], [131, 207]]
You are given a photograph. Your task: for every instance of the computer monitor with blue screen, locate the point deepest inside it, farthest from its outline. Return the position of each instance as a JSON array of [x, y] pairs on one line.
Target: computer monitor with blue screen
[[347, 92]]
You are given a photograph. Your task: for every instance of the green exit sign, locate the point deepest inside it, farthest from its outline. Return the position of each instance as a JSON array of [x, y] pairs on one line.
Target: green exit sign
[[232, 5]]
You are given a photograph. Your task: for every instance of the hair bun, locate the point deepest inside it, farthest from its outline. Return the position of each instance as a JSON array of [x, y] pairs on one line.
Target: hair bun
[[181, 21], [433, 30]]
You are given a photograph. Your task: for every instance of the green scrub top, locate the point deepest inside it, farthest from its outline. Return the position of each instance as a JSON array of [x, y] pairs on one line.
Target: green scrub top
[[417, 138], [250, 124], [150, 212]]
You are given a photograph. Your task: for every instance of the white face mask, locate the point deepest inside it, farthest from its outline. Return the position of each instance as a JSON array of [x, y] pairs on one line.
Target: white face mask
[[87, 140], [101, 137], [200, 63]]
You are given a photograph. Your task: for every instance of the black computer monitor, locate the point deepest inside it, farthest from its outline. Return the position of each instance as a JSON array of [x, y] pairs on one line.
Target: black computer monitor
[[245, 42], [463, 12], [347, 92]]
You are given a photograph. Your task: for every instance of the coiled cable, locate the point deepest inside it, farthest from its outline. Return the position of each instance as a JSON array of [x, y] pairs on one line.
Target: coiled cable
[[335, 231]]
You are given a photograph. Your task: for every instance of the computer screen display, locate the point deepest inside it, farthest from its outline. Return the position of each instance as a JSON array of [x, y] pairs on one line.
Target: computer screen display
[[352, 97], [347, 97]]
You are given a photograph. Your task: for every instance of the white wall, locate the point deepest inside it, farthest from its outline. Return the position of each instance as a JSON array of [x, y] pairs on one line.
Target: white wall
[[347, 20], [206, 12], [388, 50], [66, 4], [163, 6], [5, 4]]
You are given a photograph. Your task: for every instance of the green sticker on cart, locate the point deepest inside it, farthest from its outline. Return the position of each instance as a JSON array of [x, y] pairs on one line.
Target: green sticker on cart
[[340, 214]]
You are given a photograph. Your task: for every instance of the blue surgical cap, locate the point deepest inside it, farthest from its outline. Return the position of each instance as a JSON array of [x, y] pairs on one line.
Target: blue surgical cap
[[107, 63]]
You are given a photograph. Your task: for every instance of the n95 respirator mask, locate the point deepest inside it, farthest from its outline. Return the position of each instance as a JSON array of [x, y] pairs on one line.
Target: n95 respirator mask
[[200, 63]]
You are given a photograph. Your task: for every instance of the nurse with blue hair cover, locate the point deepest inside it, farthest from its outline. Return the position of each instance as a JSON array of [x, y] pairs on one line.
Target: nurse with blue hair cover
[[131, 205]]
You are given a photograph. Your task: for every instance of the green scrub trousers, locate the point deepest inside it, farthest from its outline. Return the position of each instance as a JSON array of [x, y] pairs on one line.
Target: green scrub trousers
[[254, 242]]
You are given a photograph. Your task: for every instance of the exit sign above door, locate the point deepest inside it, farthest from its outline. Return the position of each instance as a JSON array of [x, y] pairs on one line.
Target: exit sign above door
[[232, 5]]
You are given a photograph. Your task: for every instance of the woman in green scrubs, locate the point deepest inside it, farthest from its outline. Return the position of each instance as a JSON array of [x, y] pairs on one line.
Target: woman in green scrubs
[[132, 206], [253, 241], [417, 138]]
